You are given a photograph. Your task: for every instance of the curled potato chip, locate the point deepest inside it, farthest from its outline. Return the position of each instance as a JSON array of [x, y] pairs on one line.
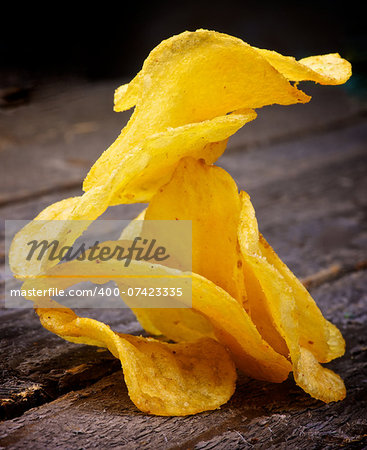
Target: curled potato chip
[[323, 69], [234, 328], [93, 203], [191, 78], [194, 91], [230, 324], [162, 379], [208, 197], [36, 230], [197, 76], [206, 140], [317, 334], [183, 94], [52, 224], [127, 95], [227, 318], [316, 380], [177, 324], [282, 303]]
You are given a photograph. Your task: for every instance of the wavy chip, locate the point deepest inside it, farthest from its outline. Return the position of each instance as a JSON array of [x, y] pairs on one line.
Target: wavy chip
[[182, 96], [162, 378], [208, 196], [193, 92], [228, 320], [284, 301]]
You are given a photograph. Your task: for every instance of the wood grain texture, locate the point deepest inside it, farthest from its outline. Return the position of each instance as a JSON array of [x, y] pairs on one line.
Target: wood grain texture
[[305, 169], [38, 366], [259, 414]]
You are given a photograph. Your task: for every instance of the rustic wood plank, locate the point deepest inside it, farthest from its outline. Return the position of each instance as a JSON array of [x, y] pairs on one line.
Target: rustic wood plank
[[311, 231], [330, 108], [38, 366], [342, 424], [39, 139], [309, 195], [259, 414]]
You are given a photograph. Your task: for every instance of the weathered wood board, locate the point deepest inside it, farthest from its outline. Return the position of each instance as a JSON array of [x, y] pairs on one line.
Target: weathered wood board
[[259, 414], [305, 169]]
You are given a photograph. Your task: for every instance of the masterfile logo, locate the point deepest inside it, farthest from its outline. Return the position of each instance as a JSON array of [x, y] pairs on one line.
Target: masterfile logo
[[100, 264]]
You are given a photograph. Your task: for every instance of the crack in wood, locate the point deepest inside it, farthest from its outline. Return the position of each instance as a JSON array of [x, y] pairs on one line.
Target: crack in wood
[[24, 196], [332, 273], [253, 146], [314, 130]]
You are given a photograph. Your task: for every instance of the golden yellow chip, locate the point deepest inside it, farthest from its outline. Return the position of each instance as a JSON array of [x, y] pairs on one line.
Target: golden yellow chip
[[92, 204], [177, 324], [197, 76], [284, 305], [228, 319], [183, 94], [193, 92], [208, 197], [317, 334], [162, 379], [323, 69]]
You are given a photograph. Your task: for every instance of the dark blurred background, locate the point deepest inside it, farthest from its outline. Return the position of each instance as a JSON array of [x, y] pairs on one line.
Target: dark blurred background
[[111, 40]]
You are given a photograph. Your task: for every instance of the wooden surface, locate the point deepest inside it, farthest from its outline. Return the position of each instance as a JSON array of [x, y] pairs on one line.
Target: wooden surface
[[305, 169]]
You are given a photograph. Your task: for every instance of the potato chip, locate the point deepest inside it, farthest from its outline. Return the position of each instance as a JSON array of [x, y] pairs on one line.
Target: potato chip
[[228, 320], [177, 324], [162, 379], [38, 231], [183, 94], [193, 92], [208, 197], [234, 328], [317, 334], [318, 381], [187, 197], [206, 140], [127, 95], [323, 69], [197, 76], [282, 303], [52, 224], [230, 324], [260, 314], [93, 203]]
